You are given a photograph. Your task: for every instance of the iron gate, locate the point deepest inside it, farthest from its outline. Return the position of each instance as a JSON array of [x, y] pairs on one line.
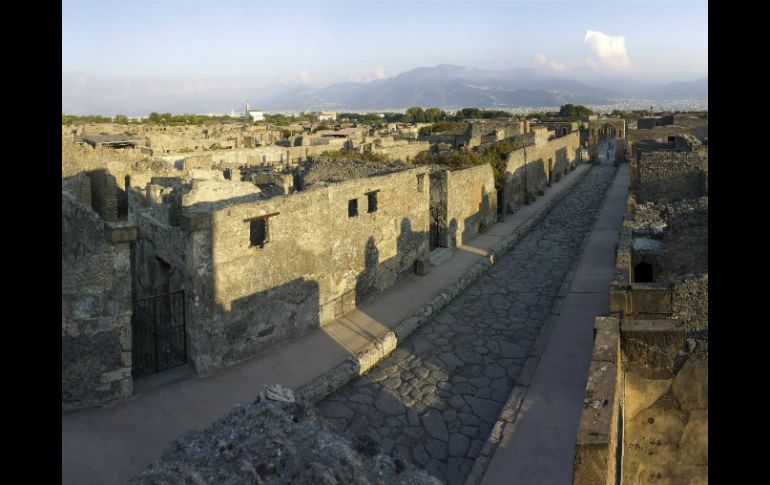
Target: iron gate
[[159, 334]]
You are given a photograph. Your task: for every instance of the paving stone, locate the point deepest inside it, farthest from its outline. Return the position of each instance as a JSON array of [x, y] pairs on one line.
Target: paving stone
[[389, 404], [413, 418], [335, 409], [468, 419], [437, 449], [436, 468], [457, 470], [387, 445], [458, 444], [457, 402], [435, 426], [420, 455], [421, 372], [494, 371], [362, 399], [449, 415], [463, 388], [475, 448], [415, 433]]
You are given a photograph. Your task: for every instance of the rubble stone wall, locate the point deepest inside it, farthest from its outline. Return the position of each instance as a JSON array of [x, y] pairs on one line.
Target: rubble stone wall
[[96, 308]]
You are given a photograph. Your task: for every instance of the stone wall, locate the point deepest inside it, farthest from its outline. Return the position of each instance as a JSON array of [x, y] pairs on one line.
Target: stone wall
[[405, 152], [471, 203], [659, 134], [665, 412], [596, 446], [661, 328], [668, 175], [527, 169], [317, 263], [96, 307]]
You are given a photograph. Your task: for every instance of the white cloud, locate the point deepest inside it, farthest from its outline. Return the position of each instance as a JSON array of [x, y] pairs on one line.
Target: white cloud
[[377, 72], [609, 51], [542, 60], [305, 77]]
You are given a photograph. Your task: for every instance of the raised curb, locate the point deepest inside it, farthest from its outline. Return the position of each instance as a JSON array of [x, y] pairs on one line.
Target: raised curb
[[359, 363], [512, 405]]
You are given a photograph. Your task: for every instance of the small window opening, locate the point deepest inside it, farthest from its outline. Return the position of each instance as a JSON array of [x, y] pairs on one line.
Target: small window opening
[[671, 138], [258, 232], [372, 199], [353, 208], [420, 182]]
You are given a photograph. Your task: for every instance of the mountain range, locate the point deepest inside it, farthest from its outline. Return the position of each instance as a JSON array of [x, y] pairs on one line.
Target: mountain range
[[450, 86]]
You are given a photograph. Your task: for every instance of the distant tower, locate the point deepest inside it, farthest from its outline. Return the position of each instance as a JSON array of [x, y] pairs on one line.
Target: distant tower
[[247, 106]]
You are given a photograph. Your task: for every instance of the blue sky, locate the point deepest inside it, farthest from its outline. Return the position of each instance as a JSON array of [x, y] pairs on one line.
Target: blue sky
[[118, 53]]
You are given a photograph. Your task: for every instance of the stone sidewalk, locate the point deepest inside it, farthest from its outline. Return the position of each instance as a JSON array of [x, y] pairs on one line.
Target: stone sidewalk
[[435, 399], [537, 446], [114, 443]]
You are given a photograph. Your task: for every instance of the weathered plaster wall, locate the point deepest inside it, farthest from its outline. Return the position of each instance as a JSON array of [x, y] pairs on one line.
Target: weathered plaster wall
[[527, 168], [317, 264], [471, 203], [96, 307]]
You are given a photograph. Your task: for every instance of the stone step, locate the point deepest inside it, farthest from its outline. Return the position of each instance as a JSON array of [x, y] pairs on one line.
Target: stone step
[[439, 255]]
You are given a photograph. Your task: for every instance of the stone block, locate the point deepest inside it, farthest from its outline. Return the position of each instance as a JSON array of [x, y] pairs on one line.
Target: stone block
[[650, 298], [120, 233], [606, 339], [595, 446], [115, 375], [651, 347]]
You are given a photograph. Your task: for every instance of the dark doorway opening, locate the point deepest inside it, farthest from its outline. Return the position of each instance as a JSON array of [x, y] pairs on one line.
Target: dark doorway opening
[[643, 272]]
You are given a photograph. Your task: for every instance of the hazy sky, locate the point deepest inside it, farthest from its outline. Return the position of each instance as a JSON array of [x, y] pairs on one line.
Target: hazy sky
[[123, 56]]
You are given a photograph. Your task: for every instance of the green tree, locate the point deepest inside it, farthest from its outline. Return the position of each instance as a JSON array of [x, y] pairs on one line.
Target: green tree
[[469, 113], [414, 114], [434, 114], [121, 119], [571, 110]]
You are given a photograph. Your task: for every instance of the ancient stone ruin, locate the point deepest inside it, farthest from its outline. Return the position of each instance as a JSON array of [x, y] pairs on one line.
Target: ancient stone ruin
[[645, 417]]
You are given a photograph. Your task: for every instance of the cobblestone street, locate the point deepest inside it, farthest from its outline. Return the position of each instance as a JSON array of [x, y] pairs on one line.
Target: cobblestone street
[[434, 399]]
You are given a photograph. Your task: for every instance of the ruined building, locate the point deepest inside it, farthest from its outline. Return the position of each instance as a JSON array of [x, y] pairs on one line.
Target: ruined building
[[207, 261], [645, 416]]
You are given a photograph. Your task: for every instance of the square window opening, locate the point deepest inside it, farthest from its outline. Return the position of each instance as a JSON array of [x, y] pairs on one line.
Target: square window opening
[[258, 232], [372, 202]]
